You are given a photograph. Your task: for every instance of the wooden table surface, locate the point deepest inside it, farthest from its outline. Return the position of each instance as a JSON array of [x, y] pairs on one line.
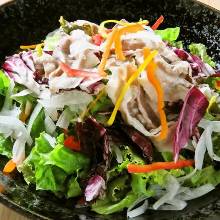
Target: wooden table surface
[[7, 214]]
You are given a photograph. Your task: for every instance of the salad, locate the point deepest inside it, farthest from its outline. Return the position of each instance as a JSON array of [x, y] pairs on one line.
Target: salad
[[119, 116]]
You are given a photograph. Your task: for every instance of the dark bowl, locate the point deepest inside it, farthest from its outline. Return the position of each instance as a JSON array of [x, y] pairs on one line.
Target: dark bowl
[[27, 22]]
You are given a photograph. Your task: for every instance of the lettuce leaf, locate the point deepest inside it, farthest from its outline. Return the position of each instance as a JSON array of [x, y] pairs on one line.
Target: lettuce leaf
[[106, 207], [118, 188], [204, 176], [67, 160], [49, 178], [144, 183], [38, 125], [169, 34], [177, 44], [73, 188], [118, 195], [55, 169], [128, 157], [200, 50], [6, 146], [4, 85]]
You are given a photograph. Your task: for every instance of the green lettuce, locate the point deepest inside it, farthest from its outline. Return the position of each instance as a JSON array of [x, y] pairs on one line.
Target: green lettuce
[[6, 146], [169, 34], [73, 188], [106, 207], [38, 125], [128, 156], [142, 183], [177, 44], [118, 188], [4, 83], [119, 194], [123, 189], [4, 86], [200, 50], [204, 176], [55, 169]]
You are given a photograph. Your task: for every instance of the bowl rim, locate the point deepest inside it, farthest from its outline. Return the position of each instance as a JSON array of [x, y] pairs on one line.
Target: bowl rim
[[5, 201]]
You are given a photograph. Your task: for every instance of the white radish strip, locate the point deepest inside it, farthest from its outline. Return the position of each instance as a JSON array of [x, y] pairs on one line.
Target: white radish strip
[[17, 128], [18, 151], [195, 193], [175, 204], [138, 211], [200, 152], [172, 188], [50, 126]]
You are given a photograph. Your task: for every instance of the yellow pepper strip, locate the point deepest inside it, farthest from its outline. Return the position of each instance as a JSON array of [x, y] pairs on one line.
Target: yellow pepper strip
[[133, 77], [106, 53], [132, 28], [160, 95], [9, 167], [26, 47], [92, 104]]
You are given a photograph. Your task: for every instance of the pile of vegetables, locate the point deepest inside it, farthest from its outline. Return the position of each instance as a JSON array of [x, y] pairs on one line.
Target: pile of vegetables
[[75, 143]]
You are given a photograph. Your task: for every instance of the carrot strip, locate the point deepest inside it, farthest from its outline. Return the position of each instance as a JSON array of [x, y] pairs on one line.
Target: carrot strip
[[9, 167], [134, 76], [134, 168], [106, 53], [103, 31], [75, 72], [160, 95], [132, 28], [158, 22]]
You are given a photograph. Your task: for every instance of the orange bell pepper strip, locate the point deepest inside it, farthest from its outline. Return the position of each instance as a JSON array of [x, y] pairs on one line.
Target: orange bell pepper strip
[[105, 55], [157, 23], [132, 28], [135, 168], [160, 95]]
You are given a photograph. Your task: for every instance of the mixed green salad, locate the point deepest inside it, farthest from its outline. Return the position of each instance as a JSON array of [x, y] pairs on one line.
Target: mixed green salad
[[118, 116]]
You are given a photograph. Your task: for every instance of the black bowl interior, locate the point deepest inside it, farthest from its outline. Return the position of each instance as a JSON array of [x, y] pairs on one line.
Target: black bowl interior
[[27, 22]]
